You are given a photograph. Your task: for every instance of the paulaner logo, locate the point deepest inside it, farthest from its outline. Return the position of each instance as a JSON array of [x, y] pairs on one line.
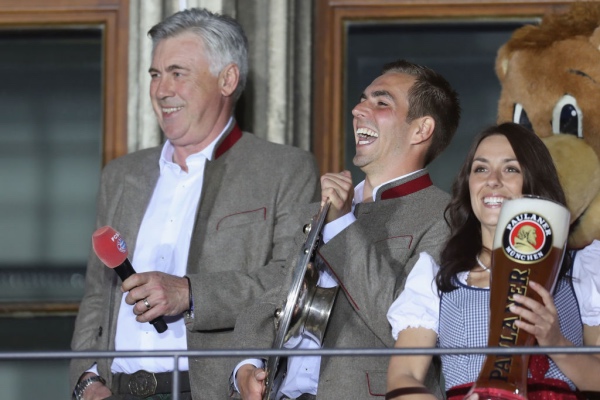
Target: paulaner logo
[[527, 238]]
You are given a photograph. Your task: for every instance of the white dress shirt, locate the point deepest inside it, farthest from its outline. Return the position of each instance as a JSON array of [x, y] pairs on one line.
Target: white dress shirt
[[163, 245]]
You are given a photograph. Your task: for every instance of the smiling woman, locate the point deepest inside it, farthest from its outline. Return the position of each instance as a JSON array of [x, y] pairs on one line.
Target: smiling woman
[[495, 176], [502, 162], [448, 304]]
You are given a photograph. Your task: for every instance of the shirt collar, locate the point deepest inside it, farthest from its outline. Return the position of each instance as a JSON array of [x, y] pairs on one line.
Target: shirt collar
[[376, 190], [358, 190], [166, 155]]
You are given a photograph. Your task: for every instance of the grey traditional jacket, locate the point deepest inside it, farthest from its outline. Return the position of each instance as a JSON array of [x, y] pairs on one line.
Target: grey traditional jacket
[[370, 259], [242, 234]]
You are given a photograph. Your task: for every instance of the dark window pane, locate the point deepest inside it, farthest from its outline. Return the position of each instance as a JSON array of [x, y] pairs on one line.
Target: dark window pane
[[464, 51], [50, 158]]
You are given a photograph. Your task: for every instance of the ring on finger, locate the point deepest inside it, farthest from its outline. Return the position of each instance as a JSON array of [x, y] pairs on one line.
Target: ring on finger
[[146, 303]]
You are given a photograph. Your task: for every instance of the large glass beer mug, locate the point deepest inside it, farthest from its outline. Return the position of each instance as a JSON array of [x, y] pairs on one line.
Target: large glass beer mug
[[529, 244]]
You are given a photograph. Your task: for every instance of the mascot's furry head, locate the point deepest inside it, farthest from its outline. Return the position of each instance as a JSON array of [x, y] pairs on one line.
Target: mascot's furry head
[[550, 77]]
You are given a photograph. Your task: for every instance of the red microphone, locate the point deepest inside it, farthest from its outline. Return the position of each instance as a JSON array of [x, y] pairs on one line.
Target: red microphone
[[111, 249]]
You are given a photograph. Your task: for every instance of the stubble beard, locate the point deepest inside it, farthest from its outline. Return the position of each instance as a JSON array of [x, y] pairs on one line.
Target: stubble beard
[[359, 161], [361, 158]]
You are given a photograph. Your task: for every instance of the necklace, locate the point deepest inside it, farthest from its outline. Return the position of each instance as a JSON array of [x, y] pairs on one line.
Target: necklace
[[481, 264]]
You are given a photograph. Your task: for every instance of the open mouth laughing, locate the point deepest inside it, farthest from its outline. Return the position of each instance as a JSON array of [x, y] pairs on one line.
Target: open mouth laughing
[[365, 136]]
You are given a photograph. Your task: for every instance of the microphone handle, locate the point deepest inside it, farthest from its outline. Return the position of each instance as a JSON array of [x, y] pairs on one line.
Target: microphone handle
[[159, 324], [125, 270]]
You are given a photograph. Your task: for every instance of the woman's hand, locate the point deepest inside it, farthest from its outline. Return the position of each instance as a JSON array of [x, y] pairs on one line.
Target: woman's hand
[[540, 320]]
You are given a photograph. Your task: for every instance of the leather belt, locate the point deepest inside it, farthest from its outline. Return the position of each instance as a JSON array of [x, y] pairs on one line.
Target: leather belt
[[143, 383], [304, 396]]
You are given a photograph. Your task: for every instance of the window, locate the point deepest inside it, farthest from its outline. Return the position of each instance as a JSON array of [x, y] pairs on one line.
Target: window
[[63, 110], [353, 39]]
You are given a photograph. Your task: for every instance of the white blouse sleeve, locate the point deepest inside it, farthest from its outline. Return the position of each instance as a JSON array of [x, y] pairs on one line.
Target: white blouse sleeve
[[586, 282], [418, 305]]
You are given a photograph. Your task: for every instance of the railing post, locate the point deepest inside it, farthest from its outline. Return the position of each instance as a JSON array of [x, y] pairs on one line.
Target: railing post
[[175, 389]]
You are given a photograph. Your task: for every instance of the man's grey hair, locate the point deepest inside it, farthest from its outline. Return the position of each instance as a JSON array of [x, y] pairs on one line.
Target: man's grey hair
[[224, 39]]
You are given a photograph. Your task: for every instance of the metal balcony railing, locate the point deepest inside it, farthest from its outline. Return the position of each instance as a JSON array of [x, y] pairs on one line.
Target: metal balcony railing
[[258, 353]]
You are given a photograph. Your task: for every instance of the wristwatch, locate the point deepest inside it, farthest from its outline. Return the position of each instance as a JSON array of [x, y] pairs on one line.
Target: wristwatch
[[81, 386], [232, 390]]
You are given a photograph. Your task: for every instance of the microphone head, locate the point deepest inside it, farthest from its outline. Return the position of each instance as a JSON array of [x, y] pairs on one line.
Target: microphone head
[[109, 246]]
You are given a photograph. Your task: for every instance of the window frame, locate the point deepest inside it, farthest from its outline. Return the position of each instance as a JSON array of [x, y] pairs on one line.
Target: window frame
[[112, 16], [330, 38]]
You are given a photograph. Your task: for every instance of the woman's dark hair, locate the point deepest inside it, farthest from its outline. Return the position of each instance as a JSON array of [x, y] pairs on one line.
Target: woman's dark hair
[[539, 178]]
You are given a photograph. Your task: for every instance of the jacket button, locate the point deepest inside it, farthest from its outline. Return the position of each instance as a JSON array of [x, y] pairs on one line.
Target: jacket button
[[306, 229]]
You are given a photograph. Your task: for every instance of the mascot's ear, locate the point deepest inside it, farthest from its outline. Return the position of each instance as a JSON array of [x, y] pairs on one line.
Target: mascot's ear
[[595, 38], [502, 60]]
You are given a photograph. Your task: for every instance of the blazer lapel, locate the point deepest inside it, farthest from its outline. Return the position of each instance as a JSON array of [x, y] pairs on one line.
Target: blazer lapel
[[137, 191], [215, 174]]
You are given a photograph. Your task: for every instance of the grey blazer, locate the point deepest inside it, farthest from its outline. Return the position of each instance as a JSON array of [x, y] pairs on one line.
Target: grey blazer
[[371, 260], [243, 232]]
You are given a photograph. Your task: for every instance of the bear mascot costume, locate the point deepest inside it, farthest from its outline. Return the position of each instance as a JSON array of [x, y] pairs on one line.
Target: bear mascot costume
[[550, 79]]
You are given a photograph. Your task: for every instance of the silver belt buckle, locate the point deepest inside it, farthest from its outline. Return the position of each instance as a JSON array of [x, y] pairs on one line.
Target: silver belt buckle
[[142, 383]]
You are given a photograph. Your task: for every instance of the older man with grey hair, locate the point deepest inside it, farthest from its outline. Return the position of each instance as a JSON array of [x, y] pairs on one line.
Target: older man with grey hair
[[208, 218]]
